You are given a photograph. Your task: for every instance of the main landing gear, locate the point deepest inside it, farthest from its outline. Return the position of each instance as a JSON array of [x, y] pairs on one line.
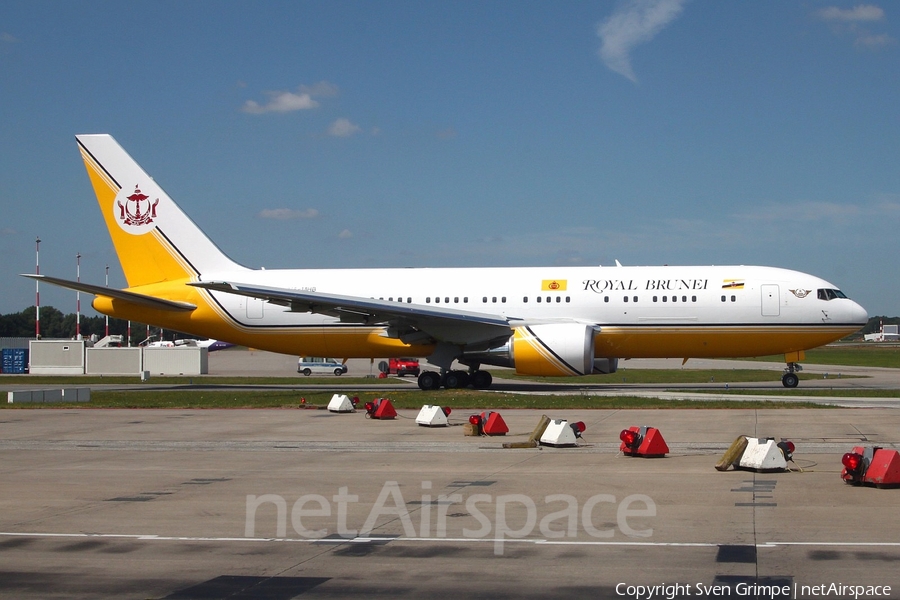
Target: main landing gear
[[432, 380], [790, 378]]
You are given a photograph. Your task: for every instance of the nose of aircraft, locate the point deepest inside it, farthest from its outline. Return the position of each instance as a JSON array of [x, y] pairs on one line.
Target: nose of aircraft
[[858, 314]]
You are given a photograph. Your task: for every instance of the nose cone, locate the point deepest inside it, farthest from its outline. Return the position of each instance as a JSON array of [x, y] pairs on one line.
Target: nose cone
[[857, 314]]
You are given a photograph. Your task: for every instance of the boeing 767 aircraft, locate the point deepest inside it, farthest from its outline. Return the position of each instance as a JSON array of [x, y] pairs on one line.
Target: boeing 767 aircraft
[[548, 321]]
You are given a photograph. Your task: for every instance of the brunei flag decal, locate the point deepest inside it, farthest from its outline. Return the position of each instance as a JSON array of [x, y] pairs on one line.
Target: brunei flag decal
[[553, 285], [732, 284]]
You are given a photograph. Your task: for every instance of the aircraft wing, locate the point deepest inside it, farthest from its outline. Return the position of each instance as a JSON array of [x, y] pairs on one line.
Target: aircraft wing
[[411, 323], [99, 290]]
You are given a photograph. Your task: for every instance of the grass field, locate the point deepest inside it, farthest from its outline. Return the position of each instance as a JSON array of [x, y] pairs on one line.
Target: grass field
[[663, 376], [855, 355]]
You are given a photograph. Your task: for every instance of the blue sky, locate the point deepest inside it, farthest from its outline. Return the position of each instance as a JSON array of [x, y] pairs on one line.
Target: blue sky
[[376, 134]]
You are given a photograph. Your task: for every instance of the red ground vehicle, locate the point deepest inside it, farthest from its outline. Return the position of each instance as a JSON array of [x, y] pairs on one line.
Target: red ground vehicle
[[404, 366]]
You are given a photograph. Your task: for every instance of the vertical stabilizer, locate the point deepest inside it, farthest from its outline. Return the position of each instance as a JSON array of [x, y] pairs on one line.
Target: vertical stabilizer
[[155, 241]]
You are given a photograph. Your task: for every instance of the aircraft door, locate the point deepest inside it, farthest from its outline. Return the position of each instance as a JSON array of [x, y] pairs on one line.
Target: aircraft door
[[254, 308], [771, 306]]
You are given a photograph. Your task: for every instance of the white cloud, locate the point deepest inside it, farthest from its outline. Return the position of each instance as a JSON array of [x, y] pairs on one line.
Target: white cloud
[[286, 214], [8, 231], [343, 128], [849, 22], [285, 101], [635, 22], [281, 102], [345, 234], [8, 38], [863, 12], [873, 41]]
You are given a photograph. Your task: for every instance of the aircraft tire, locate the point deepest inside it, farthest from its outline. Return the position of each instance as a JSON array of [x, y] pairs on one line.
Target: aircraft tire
[[456, 379], [790, 380], [481, 380], [429, 380]]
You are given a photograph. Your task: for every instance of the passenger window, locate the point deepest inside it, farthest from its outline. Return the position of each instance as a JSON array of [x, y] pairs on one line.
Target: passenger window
[[734, 298], [428, 300], [723, 298], [558, 299], [568, 299], [525, 300], [606, 298], [626, 298], [539, 299]]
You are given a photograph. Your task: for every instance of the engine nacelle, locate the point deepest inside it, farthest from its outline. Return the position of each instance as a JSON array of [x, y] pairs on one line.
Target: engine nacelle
[[549, 350], [554, 350]]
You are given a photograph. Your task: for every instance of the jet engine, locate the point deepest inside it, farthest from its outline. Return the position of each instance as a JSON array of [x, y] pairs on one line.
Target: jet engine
[[548, 350]]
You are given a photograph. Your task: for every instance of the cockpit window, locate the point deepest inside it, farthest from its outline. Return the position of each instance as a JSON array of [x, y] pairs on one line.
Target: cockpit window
[[826, 294]]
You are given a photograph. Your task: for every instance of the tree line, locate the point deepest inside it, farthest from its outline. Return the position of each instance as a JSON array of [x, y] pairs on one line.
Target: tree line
[[55, 324]]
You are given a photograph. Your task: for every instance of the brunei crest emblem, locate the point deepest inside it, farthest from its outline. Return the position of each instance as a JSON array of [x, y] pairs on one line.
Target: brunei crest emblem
[[137, 209]]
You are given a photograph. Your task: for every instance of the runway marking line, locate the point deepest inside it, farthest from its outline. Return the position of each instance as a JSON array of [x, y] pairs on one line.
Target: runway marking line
[[371, 539]]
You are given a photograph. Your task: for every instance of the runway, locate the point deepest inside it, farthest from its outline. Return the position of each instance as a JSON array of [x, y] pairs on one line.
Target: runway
[[280, 504]]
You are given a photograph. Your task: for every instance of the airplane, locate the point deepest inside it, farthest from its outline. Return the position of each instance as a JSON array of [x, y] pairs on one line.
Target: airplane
[[210, 345], [544, 321]]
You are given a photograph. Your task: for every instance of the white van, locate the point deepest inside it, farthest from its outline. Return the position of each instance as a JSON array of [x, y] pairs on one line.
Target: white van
[[320, 366]]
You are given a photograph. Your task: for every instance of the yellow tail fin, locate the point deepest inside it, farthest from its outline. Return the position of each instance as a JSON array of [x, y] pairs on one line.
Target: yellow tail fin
[[155, 241]]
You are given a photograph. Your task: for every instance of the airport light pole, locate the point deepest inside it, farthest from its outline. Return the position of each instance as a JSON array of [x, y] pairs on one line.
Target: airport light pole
[[106, 330], [78, 297], [37, 289]]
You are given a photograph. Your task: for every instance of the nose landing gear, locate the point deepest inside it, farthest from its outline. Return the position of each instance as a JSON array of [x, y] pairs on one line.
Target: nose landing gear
[[790, 378]]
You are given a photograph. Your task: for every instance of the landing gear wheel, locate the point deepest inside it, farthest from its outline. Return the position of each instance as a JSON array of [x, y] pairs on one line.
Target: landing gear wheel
[[429, 380], [456, 379], [790, 380], [481, 380]]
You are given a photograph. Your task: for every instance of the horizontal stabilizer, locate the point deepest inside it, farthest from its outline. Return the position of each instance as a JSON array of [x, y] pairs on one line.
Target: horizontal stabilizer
[[99, 290]]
